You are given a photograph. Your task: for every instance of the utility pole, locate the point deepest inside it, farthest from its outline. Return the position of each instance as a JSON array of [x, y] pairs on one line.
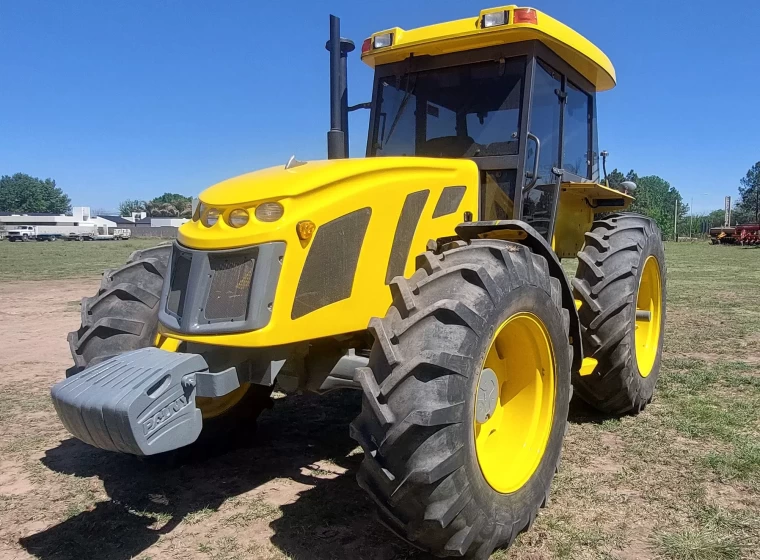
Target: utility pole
[[691, 215], [675, 222]]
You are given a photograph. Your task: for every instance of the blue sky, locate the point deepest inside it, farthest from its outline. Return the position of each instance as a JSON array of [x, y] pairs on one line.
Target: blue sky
[[121, 99]]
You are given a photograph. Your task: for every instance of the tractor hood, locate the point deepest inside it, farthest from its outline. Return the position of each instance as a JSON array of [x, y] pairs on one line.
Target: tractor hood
[[311, 191], [303, 177]]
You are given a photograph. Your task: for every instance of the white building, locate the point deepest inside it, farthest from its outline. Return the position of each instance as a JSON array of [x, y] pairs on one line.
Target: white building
[[80, 217]]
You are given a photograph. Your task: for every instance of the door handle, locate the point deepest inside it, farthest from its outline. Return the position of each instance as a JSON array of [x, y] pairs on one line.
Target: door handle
[[534, 175]]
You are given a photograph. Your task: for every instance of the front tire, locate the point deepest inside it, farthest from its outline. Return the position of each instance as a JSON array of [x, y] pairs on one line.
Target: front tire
[[124, 317], [425, 463], [621, 271]]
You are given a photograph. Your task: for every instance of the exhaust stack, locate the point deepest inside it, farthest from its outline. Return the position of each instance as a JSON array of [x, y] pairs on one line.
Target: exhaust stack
[[337, 136]]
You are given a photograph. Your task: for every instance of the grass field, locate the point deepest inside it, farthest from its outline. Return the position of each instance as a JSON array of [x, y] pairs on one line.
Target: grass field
[[64, 259], [680, 481]]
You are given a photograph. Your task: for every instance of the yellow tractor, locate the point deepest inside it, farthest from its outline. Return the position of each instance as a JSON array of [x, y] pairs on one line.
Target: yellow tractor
[[427, 275]]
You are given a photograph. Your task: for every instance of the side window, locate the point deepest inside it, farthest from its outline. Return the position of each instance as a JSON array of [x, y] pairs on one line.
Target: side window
[[395, 133], [499, 194], [576, 148]]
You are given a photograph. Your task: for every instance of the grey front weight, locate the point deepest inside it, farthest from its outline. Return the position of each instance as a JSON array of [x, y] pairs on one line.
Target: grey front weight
[[140, 402]]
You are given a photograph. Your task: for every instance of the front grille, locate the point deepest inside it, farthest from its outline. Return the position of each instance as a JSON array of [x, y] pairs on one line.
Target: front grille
[[226, 291], [175, 302], [230, 289]]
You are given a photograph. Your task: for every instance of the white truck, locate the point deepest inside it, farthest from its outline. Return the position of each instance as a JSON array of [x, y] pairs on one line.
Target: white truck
[[52, 233], [22, 233]]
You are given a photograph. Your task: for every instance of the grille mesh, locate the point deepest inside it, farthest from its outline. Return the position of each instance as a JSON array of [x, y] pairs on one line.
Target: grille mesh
[[230, 287]]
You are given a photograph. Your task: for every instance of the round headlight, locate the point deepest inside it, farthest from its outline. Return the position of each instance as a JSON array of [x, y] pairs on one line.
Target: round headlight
[[238, 218], [210, 217], [269, 211]]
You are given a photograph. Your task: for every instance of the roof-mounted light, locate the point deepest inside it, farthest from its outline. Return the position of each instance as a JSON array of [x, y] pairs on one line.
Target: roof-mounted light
[[525, 15], [495, 19], [383, 40]]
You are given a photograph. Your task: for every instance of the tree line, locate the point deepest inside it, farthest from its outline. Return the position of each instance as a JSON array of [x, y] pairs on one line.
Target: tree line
[[168, 205], [23, 194], [745, 209], [654, 197]]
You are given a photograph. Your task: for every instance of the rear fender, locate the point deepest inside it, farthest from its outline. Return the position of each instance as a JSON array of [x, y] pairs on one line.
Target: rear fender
[[519, 232]]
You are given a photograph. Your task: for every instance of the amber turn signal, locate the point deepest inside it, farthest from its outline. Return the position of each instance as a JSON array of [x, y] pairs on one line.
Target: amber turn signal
[[305, 230]]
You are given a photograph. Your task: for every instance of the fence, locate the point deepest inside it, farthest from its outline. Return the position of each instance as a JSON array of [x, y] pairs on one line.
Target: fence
[[162, 232]]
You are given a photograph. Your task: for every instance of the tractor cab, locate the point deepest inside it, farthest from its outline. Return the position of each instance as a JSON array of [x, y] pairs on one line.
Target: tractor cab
[[512, 89]]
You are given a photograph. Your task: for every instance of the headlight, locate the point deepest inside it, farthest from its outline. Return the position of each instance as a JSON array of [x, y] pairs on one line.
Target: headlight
[[238, 218], [210, 216], [269, 212]]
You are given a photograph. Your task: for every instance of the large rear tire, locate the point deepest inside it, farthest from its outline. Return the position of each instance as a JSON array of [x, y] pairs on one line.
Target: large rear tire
[[621, 271], [123, 316], [427, 460]]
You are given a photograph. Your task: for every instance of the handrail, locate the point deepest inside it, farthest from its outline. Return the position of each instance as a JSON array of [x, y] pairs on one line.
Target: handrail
[[534, 175]]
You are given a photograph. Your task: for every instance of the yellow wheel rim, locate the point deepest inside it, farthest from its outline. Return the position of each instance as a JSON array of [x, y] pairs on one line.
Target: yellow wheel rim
[[512, 441], [211, 407], [648, 316]]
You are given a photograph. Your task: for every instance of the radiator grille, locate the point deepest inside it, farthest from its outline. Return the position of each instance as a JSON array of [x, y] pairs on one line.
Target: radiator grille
[[175, 303], [230, 290]]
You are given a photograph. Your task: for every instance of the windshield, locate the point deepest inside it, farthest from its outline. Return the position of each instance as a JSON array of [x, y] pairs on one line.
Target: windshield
[[460, 111]]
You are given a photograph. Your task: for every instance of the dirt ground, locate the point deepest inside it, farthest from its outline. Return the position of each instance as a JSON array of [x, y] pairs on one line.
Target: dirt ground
[[681, 481]]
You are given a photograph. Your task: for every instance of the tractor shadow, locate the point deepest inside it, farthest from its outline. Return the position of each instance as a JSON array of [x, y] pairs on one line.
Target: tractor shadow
[[331, 518], [581, 412]]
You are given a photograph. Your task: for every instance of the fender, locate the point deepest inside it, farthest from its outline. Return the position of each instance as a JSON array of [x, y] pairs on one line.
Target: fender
[[520, 232]]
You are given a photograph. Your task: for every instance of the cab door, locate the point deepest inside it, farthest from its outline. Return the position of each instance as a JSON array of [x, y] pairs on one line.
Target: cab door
[[544, 146], [560, 142]]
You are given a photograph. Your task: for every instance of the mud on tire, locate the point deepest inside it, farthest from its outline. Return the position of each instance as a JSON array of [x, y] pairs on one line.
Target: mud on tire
[[417, 418], [607, 282]]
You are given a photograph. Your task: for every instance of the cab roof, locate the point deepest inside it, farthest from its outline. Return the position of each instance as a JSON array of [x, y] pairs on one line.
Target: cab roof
[[519, 24]]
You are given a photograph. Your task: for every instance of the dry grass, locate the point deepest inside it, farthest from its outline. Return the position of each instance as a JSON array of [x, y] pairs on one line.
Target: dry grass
[[681, 481]]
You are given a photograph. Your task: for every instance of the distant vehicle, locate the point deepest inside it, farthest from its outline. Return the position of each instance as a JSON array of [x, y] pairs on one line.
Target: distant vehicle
[[51, 233], [22, 233], [122, 234]]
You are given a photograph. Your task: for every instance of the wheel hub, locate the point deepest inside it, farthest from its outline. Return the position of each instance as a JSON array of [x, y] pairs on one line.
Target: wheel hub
[[488, 395]]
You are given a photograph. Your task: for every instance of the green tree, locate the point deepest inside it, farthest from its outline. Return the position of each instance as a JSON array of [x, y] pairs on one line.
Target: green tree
[[749, 195], [656, 198], [716, 218], [23, 193], [169, 205], [127, 207], [615, 178]]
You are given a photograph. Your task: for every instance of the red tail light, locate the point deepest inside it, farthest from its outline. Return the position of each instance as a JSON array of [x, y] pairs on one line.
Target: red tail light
[[525, 15], [366, 46]]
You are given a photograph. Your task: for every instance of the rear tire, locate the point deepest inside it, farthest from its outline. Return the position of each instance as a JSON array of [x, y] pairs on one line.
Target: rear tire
[[608, 282], [421, 464]]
